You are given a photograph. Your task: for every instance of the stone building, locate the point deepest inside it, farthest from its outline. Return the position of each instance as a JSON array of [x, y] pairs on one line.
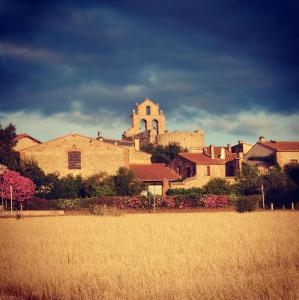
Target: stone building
[[241, 147], [80, 155], [193, 141], [149, 126], [197, 169], [156, 176], [146, 116], [24, 141], [265, 154]]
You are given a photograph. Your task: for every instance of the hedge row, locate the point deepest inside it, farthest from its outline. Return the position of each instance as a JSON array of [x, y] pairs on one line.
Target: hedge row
[[241, 203], [135, 202]]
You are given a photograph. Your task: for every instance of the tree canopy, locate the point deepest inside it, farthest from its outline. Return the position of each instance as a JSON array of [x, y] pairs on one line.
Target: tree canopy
[[8, 156], [162, 154]]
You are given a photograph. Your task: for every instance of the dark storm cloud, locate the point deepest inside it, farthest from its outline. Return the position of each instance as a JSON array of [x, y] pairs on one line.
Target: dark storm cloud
[[220, 57]]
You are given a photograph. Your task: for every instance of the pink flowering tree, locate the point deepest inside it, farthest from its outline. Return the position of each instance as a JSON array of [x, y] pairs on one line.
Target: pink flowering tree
[[23, 188]]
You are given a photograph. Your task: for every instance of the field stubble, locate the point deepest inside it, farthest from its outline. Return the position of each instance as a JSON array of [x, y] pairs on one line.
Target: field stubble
[[221, 255]]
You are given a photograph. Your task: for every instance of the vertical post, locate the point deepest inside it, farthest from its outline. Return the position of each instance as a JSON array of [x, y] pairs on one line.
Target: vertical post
[[263, 197], [2, 196], [10, 189], [283, 207], [272, 206], [154, 198], [293, 206]]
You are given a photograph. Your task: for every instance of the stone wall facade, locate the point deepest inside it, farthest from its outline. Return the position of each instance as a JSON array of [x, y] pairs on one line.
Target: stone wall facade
[[24, 143], [193, 141], [95, 156], [284, 158]]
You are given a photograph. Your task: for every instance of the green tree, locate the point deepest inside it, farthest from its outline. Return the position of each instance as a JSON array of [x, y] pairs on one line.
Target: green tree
[[98, 185], [126, 183], [31, 169], [279, 187], [248, 181], [292, 170], [218, 186], [162, 154], [8, 156]]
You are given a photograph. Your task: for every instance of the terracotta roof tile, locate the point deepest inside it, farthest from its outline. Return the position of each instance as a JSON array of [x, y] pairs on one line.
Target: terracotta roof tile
[[153, 172], [202, 159], [25, 135], [230, 156], [282, 146]]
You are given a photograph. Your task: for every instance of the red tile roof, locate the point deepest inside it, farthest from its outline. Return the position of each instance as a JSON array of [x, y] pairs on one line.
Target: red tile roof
[[230, 156], [282, 146], [153, 172], [217, 152], [25, 135], [202, 159]]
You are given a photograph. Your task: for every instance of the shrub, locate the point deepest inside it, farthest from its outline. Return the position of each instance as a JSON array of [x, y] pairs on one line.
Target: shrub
[[217, 186], [215, 201], [68, 204], [104, 210], [41, 204], [246, 203], [181, 191]]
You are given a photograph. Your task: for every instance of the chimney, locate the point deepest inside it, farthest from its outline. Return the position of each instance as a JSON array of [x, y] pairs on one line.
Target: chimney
[[229, 147], [240, 142], [262, 139], [222, 153], [136, 144], [212, 152]]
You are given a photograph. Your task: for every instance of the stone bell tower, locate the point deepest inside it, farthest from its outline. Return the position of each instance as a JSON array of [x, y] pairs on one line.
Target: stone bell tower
[[146, 116]]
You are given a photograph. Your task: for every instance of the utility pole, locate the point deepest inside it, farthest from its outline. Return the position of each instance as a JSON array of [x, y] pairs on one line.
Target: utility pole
[[263, 197], [10, 189], [154, 198]]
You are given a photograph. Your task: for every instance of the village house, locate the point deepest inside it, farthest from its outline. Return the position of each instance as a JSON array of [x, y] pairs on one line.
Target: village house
[[265, 154], [80, 155], [156, 176], [196, 169]]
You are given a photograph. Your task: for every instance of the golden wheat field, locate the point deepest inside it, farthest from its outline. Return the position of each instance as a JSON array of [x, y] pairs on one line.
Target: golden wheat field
[[217, 255]]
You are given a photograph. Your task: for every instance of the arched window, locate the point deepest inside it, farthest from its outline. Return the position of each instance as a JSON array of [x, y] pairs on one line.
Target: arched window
[[148, 110], [155, 125], [74, 160], [143, 125]]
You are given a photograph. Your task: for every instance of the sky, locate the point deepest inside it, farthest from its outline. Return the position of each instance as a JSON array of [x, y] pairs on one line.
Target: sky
[[228, 67]]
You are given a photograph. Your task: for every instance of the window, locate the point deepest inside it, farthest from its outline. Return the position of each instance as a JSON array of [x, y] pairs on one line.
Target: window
[[294, 161], [148, 110], [208, 170], [74, 160]]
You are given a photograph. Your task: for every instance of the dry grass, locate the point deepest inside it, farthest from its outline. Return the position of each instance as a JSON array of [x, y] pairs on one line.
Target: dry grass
[[221, 255]]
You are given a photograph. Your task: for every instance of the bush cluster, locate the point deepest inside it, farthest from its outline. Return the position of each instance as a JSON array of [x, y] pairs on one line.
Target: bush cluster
[[215, 201], [104, 210], [127, 202], [247, 203]]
